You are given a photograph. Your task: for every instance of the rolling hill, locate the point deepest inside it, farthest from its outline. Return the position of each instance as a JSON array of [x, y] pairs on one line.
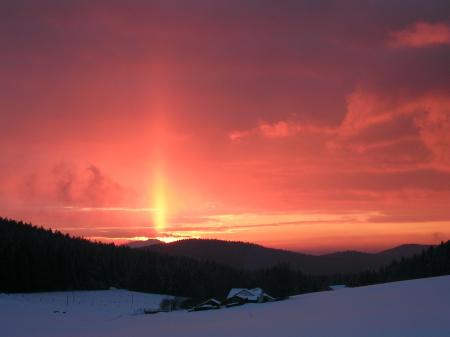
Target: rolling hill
[[253, 257]]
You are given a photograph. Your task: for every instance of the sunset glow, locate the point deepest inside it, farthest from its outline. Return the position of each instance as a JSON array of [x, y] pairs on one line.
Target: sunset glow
[[297, 125], [160, 203]]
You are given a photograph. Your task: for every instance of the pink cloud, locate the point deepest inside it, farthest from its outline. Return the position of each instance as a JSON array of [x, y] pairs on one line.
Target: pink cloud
[[422, 34], [434, 125], [364, 108], [281, 129], [69, 186], [398, 131], [376, 120], [237, 135], [277, 130]]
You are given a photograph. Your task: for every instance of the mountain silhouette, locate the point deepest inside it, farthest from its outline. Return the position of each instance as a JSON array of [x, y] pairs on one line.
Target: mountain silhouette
[[253, 257]]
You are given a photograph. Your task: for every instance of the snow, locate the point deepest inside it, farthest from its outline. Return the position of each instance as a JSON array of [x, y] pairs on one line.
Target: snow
[[208, 304], [108, 302], [235, 291], [337, 286], [246, 294], [410, 308], [213, 301]]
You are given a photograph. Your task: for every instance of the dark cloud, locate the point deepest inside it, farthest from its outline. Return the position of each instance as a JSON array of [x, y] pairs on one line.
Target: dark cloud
[[67, 185], [64, 180], [101, 190]]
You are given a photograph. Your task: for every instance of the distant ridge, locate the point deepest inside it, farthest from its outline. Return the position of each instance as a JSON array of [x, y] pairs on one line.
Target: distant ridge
[[145, 243], [38, 259], [404, 250], [252, 256]]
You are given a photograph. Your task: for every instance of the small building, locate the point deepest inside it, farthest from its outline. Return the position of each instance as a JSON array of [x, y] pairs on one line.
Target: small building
[[212, 303], [234, 301], [255, 295]]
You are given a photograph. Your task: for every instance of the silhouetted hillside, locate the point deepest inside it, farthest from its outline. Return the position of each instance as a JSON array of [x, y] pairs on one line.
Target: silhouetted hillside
[[253, 257], [404, 251], [37, 259], [433, 261], [141, 244]]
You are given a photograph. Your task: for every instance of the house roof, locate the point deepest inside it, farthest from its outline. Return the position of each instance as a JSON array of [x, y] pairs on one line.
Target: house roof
[[209, 302], [267, 296], [213, 300], [248, 294]]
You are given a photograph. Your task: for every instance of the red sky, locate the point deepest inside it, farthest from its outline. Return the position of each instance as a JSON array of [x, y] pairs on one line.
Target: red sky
[[313, 126]]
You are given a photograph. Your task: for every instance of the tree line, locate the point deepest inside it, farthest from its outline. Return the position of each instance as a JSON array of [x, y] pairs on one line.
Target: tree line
[[36, 259], [433, 261]]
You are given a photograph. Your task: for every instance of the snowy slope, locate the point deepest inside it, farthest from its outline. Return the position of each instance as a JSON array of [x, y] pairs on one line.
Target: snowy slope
[[410, 308], [101, 302]]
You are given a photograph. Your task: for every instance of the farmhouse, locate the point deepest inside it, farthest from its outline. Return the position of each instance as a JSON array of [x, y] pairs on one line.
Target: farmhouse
[[212, 303], [255, 295], [234, 301], [236, 296]]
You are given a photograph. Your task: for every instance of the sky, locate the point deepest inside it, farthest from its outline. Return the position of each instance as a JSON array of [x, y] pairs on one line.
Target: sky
[[314, 126]]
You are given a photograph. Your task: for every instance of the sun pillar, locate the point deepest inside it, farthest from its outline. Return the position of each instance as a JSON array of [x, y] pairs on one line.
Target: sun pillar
[[160, 202]]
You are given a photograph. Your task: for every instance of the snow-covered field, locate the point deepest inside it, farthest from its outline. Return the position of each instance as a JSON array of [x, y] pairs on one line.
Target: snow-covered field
[[409, 308], [105, 302]]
